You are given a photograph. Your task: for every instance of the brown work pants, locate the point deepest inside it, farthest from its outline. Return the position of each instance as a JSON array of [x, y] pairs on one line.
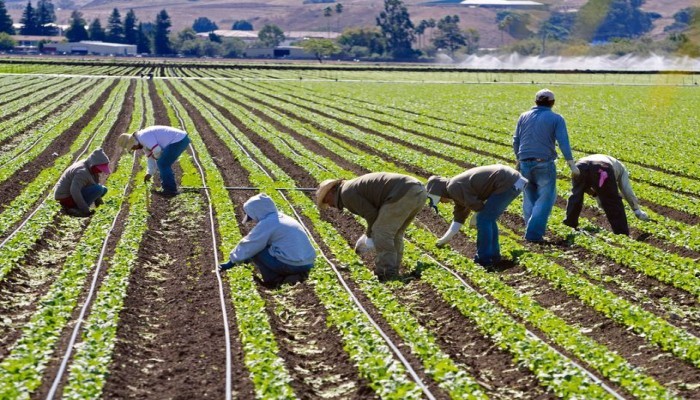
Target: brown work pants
[[388, 230]]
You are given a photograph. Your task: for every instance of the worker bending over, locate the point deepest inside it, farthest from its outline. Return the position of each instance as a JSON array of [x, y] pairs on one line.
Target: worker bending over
[[162, 145], [278, 245], [388, 202], [79, 186], [487, 190], [601, 176]]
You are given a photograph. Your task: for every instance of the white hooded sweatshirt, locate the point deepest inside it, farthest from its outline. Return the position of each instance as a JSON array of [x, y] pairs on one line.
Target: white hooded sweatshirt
[[284, 235]]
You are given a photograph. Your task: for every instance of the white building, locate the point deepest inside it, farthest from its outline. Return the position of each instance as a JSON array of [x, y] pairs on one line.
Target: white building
[[96, 48]]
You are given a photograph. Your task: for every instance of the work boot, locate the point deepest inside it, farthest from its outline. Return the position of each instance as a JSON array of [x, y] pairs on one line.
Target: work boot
[[73, 212], [292, 279], [386, 272]]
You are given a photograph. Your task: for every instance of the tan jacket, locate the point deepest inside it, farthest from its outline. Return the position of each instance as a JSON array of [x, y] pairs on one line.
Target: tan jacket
[[622, 176], [366, 194], [78, 176], [470, 189]]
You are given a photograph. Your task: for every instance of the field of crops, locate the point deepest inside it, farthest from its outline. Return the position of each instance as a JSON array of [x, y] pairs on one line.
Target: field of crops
[[128, 303]]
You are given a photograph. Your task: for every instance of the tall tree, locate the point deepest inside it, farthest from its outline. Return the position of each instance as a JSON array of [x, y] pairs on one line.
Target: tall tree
[[29, 22], [338, 11], [5, 20], [242, 25], [115, 28], [76, 31], [45, 18], [397, 28], [204, 24], [271, 35], [449, 35], [328, 12], [96, 32], [130, 32], [143, 41], [161, 41]]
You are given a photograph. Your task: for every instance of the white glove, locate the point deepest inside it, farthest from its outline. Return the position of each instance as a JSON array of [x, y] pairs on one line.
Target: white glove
[[641, 215], [454, 228], [472, 220], [364, 245], [574, 169]]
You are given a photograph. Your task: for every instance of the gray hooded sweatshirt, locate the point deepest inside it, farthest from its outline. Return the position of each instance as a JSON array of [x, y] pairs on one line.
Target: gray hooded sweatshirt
[[284, 235], [78, 176]]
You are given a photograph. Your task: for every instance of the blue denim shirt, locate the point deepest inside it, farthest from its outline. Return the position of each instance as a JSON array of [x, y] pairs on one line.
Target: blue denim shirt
[[536, 132]]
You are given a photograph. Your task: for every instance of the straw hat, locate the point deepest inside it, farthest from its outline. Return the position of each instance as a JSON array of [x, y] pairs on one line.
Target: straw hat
[[323, 189], [126, 141]]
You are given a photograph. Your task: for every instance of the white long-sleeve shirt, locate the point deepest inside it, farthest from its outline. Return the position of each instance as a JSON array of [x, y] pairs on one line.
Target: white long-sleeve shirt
[[156, 138], [621, 176]]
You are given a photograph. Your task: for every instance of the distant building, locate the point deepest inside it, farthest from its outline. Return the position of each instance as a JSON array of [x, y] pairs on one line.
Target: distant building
[[87, 47], [294, 52], [502, 3], [33, 44]]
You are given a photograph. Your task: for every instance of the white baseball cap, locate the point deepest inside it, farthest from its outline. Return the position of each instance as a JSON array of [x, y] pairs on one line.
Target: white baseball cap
[[544, 94]]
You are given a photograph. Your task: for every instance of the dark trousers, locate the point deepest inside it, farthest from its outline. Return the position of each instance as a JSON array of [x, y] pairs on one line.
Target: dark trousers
[[590, 182]]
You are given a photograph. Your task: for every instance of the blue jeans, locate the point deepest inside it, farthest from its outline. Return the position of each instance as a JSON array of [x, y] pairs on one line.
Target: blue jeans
[[488, 250], [539, 196], [93, 192], [165, 163], [273, 270]]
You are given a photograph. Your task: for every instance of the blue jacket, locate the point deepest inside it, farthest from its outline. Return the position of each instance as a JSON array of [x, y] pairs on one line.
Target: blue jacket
[[536, 132], [284, 236]]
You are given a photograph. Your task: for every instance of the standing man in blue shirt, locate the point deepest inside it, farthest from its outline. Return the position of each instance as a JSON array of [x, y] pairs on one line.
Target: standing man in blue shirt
[[533, 143]]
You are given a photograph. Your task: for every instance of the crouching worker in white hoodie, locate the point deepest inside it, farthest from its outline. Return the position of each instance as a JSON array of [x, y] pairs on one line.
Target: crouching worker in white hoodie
[[277, 245]]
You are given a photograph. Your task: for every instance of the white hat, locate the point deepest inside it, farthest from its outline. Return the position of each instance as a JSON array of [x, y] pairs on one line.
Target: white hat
[[126, 141], [544, 95], [323, 189]]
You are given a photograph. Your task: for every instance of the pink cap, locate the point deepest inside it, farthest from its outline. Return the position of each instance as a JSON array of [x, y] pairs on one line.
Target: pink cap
[[104, 168]]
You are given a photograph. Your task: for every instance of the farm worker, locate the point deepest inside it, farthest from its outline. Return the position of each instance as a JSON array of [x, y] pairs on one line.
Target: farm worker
[[278, 245], [162, 145], [486, 190], [79, 186], [388, 202], [601, 176], [536, 132]]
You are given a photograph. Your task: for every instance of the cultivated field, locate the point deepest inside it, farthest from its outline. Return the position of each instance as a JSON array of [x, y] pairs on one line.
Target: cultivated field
[[127, 303]]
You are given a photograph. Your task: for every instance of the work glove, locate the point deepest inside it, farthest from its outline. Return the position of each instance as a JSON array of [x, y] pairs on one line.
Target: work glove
[[99, 202], [641, 215], [226, 266], [364, 245], [451, 231], [575, 172], [147, 178]]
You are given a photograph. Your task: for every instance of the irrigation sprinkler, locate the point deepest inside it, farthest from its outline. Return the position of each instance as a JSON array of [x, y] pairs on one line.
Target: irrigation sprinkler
[[300, 189]]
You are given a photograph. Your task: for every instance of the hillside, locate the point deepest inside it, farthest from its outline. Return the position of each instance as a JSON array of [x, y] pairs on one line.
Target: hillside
[[294, 15]]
